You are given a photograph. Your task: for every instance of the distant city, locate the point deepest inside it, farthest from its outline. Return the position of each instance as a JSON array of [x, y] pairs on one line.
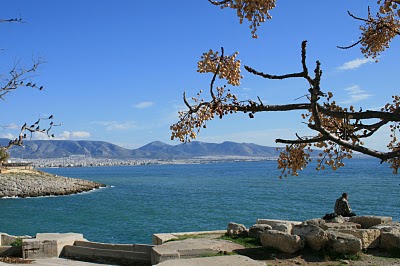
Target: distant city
[[84, 161]]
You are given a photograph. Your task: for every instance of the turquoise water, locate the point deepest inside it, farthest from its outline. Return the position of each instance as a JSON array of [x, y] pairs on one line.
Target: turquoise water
[[143, 200]]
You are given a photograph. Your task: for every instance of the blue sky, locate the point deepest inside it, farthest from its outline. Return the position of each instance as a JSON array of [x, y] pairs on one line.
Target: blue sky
[[115, 70]]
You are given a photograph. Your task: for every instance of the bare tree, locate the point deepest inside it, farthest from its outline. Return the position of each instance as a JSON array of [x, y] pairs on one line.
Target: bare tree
[[339, 131], [16, 78]]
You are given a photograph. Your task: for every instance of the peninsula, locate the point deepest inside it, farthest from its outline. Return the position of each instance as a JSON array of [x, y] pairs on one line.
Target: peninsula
[[35, 183]]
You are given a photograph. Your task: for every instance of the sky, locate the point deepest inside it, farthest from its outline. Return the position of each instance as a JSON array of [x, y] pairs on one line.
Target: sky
[[115, 71]]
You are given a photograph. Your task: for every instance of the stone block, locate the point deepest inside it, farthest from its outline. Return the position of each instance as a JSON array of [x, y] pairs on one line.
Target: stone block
[[48, 245], [369, 220], [340, 226], [343, 243], [369, 237], [282, 241], [256, 230], [315, 237], [390, 240]]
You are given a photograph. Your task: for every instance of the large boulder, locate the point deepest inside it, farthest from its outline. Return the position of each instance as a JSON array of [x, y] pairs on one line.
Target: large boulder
[[315, 237], [256, 230], [369, 220], [369, 237], [390, 240], [282, 241], [237, 230], [343, 243]]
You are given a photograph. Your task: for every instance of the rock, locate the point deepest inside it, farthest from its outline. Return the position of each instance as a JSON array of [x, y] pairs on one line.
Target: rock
[[315, 237], [317, 222], [390, 241], [283, 227], [282, 241], [343, 243], [275, 222], [237, 230], [256, 230], [369, 221], [369, 237], [389, 227]]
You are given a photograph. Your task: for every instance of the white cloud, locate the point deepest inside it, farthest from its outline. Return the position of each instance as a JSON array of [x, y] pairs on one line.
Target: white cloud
[[12, 126], [114, 125], [143, 105], [246, 89], [65, 135], [356, 63], [73, 135], [355, 94], [81, 134], [7, 136]]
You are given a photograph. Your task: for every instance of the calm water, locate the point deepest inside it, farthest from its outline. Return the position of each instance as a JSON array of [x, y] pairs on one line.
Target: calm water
[[143, 200]]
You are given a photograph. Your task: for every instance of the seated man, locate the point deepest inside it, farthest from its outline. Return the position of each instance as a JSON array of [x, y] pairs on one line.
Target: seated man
[[342, 206]]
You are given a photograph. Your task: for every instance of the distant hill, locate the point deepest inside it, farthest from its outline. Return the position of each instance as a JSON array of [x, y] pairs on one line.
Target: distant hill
[[154, 150]]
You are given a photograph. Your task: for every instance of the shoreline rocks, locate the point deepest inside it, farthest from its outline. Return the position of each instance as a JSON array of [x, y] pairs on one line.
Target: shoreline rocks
[[35, 183]]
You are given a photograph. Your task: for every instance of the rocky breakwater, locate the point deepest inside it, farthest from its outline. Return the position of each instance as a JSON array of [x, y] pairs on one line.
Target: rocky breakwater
[[35, 183]]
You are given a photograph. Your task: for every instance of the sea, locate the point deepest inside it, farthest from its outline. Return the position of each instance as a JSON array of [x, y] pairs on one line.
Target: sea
[[140, 201]]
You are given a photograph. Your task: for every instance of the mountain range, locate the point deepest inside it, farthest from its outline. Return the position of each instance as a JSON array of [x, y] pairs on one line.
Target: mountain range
[[33, 149]]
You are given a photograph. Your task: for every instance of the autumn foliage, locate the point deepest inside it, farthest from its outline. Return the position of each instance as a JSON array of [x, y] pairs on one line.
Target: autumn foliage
[[339, 131]]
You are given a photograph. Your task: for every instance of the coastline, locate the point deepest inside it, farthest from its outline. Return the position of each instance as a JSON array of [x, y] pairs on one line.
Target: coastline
[[36, 183]]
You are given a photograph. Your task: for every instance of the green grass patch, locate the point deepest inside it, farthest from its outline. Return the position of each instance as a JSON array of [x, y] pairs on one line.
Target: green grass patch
[[247, 242], [184, 237], [17, 242]]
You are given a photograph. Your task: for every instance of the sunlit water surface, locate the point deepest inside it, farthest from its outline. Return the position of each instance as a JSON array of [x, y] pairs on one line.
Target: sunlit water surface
[[143, 200]]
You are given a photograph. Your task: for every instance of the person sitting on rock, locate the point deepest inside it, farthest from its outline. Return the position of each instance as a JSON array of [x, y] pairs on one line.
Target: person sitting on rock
[[342, 206]]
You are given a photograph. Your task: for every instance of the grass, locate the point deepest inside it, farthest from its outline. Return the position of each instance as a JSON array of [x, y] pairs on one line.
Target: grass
[[184, 237]]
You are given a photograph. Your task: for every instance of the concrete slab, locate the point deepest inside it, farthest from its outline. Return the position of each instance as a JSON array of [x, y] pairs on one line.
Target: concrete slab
[[234, 260], [161, 238], [191, 248]]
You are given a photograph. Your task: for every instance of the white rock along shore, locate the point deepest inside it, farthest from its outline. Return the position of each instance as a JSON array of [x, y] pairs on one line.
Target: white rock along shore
[[35, 183]]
